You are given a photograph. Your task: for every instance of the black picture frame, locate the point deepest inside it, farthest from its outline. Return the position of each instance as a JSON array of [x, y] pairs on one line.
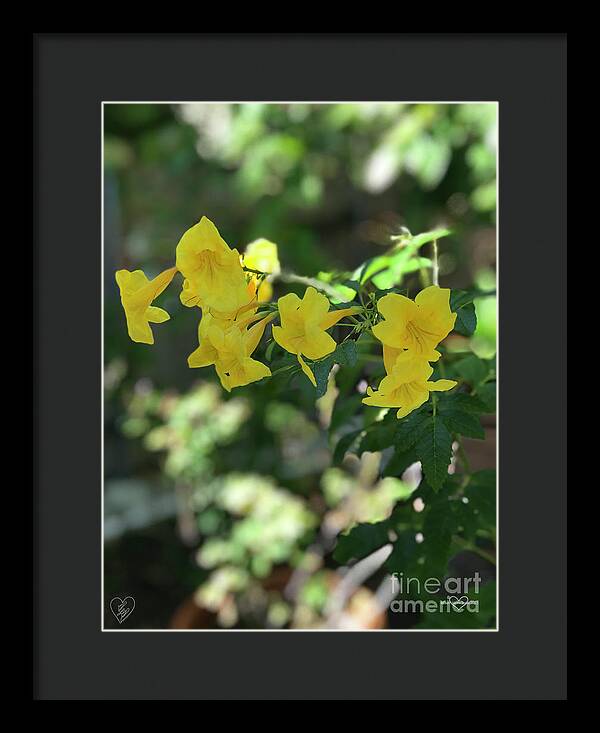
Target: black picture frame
[[526, 658]]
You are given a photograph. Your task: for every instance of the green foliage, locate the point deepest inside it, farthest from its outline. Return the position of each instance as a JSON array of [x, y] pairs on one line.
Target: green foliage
[[427, 436], [461, 303], [434, 449], [344, 355], [452, 520], [360, 541]]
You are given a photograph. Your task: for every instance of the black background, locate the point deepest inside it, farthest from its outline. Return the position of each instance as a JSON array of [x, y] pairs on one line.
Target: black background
[[73, 659]]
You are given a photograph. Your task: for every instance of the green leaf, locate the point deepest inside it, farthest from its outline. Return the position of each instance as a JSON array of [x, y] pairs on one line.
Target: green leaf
[[460, 421], [487, 395], [344, 444], [269, 350], [472, 369], [466, 320], [438, 527], [410, 427], [420, 239], [459, 298], [461, 303], [378, 437], [392, 268], [462, 401], [404, 555], [434, 449], [360, 541], [344, 355], [321, 371], [284, 360], [481, 493]]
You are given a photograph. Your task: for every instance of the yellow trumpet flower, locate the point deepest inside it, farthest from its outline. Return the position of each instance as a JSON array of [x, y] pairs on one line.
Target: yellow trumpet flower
[[137, 294], [212, 271], [418, 325], [304, 324], [407, 386], [262, 255], [229, 345]]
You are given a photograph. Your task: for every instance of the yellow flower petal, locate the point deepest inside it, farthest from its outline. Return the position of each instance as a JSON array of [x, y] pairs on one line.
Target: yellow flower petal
[[203, 356], [442, 385], [317, 343], [307, 370], [376, 400], [390, 354], [411, 368], [331, 318], [254, 334], [288, 305], [240, 373], [285, 340], [262, 255], [157, 315], [397, 308], [314, 306], [388, 333], [265, 291], [188, 297]]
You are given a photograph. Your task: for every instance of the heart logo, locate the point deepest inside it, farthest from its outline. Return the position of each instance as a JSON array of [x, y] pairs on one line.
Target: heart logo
[[122, 608], [458, 604]]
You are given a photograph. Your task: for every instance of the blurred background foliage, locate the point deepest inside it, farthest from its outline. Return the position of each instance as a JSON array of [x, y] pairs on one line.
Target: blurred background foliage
[[219, 497]]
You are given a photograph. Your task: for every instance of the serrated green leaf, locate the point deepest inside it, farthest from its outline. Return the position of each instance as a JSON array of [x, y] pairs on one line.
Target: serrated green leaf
[[346, 354], [321, 371], [462, 401], [409, 428], [460, 421], [360, 541], [434, 449]]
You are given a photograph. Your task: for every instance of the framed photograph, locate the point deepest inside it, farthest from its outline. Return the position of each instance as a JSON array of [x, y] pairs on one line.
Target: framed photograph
[[293, 309]]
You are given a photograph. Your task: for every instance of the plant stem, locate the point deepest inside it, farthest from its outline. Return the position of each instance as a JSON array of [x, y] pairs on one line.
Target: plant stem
[[290, 277], [465, 544], [434, 264], [283, 369]]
